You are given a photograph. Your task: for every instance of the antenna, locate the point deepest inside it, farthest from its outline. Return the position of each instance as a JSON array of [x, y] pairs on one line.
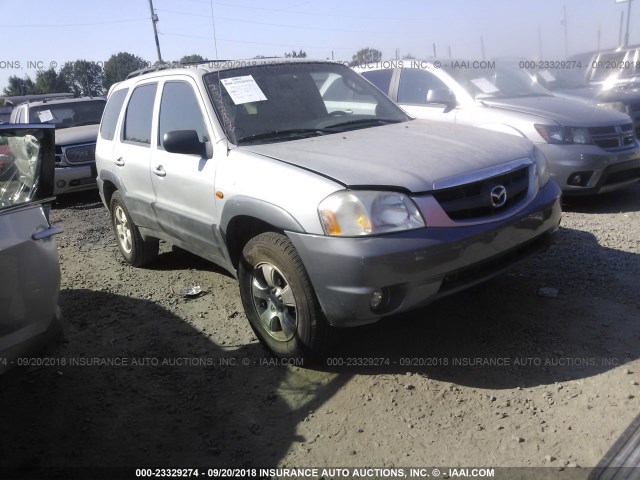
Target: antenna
[[213, 25]]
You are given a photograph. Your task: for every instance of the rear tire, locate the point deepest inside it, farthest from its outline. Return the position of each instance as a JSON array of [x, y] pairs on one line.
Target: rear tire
[[134, 249], [279, 300]]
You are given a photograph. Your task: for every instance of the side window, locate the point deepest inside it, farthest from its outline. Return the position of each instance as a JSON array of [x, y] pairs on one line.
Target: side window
[[380, 78], [137, 121], [19, 116], [180, 110], [415, 85], [111, 114]]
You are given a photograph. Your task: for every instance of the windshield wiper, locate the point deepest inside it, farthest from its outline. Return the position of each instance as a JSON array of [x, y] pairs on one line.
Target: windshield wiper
[[279, 134], [362, 122]]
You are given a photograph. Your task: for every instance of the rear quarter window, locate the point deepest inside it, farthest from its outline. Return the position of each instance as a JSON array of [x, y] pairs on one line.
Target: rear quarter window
[[111, 114]]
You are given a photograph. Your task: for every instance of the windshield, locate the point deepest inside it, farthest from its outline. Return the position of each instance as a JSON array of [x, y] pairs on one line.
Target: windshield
[[288, 101], [502, 81], [65, 115]]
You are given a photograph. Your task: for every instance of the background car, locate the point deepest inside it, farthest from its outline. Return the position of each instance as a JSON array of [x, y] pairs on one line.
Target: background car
[[608, 79], [29, 313], [76, 121], [590, 150]]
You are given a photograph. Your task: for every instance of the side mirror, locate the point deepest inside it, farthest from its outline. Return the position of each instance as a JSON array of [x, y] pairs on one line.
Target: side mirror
[[442, 96], [187, 143]]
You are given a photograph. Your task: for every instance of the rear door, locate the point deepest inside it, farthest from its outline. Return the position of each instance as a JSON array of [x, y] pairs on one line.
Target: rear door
[[131, 155], [29, 263]]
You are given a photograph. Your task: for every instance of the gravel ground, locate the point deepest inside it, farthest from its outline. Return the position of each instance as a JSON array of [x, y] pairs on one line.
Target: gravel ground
[[538, 367]]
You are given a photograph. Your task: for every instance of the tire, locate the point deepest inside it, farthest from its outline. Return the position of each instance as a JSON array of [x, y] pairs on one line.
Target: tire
[[279, 300], [134, 249]]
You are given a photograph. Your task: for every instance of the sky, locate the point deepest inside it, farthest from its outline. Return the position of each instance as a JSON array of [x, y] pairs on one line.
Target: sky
[[43, 33]]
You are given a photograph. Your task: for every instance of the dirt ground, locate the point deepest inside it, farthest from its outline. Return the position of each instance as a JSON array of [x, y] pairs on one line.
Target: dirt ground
[[496, 376]]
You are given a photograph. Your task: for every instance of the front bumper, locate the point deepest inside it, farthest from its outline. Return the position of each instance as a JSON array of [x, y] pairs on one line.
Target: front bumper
[[74, 179], [414, 268], [606, 171]]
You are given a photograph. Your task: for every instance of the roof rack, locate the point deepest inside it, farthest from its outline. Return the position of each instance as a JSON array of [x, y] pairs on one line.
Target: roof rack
[[164, 66]]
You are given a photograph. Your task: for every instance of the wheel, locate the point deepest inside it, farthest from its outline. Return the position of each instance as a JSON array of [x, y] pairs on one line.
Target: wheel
[[279, 300], [134, 249]]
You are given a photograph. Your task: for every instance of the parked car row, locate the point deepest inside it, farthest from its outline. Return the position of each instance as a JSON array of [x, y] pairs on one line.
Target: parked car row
[[590, 150], [331, 205]]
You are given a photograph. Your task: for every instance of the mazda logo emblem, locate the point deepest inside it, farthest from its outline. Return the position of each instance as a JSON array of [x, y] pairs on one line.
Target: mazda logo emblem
[[498, 196]]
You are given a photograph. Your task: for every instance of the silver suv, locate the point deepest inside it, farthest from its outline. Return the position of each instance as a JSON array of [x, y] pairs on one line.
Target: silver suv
[[330, 213], [76, 121]]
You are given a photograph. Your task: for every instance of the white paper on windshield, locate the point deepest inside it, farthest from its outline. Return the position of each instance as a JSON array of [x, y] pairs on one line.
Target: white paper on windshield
[[485, 85], [243, 89], [45, 115], [546, 74]]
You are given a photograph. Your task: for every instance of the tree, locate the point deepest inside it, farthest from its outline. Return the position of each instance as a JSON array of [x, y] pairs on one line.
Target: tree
[[194, 58], [408, 56], [19, 86], [119, 66], [84, 77], [294, 54], [365, 55], [48, 81]]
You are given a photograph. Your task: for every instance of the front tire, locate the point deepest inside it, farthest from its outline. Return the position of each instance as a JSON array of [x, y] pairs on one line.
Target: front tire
[[135, 250], [279, 300]]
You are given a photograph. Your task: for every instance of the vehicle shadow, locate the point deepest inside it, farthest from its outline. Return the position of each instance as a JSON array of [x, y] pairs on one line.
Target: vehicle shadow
[[172, 258], [506, 334], [626, 200], [87, 200], [175, 399]]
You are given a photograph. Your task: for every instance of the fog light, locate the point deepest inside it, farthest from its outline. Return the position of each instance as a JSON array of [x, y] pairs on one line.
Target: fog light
[[579, 179], [575, 179], [61, 183], [377, 297]]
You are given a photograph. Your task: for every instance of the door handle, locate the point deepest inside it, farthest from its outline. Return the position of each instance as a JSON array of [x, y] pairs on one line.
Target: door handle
[[159, 171], [47, 232], [119, 162]]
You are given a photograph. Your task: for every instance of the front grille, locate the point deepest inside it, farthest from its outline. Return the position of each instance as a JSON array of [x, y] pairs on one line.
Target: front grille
[[615, 138], [473, 200], [81, 154]]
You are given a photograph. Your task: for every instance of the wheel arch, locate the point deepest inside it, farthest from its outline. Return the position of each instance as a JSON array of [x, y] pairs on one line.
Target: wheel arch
[[245, 217]]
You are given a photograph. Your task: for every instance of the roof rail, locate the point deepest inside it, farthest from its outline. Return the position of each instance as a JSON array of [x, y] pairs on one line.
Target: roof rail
[[164, 66]]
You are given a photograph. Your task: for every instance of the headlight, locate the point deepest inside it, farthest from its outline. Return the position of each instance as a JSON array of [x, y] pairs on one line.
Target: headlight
[[556, 134], [352, 213], [542, 168], [619, 106]]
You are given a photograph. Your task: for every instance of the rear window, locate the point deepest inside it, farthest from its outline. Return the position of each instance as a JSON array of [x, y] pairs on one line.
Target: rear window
[[111, 114], [137, 122]]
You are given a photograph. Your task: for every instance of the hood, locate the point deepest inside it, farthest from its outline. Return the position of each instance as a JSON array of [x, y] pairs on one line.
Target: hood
[[565, 112], [74, 135], [409, 155]]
